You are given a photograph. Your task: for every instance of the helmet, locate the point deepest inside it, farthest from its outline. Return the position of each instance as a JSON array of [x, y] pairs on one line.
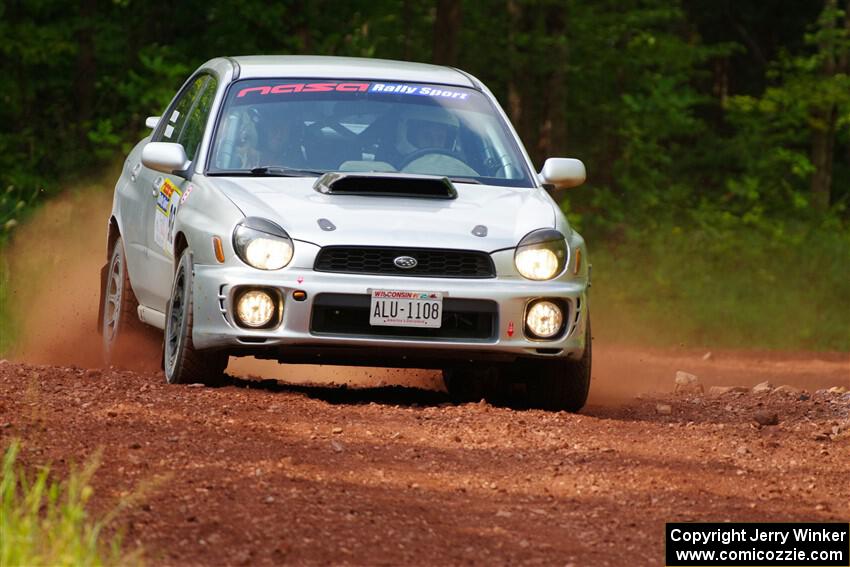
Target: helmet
[[423, 127]]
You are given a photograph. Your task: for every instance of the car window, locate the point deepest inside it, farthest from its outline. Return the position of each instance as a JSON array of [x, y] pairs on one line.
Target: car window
[[172, 122], [325, 125], [193, 128]]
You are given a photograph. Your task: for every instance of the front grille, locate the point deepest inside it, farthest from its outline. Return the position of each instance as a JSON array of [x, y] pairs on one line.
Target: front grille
[[348, 314], [431, 262]]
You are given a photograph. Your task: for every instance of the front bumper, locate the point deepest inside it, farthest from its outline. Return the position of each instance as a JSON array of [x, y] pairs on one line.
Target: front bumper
[[295, 339]]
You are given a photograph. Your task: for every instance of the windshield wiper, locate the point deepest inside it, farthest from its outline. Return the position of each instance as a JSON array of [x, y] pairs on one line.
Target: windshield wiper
[[284, 172], [464, 180]]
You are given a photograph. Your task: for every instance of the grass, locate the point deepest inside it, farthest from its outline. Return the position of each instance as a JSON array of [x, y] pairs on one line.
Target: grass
[[44, 522], [738, 287]]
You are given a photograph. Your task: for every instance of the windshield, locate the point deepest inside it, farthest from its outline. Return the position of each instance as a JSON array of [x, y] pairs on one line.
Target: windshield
[[305, 127]]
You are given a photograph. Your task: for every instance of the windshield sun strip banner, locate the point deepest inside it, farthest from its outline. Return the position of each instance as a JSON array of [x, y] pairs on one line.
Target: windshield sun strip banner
[[356, 87]]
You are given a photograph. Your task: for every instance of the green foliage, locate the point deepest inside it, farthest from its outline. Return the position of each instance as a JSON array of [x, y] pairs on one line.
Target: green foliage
[[717, 281], [685, 114], [774, 129], [46, 522]]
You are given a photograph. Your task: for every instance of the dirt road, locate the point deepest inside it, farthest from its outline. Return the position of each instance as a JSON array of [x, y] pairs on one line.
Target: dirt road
[[260, 473], [263, 473]]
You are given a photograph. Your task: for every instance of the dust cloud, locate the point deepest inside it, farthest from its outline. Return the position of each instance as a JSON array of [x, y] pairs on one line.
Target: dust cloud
[[54, 284], [54, 262]]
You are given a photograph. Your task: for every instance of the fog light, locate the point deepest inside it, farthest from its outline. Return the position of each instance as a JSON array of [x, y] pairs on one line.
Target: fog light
[[255, 308], [544, 319]]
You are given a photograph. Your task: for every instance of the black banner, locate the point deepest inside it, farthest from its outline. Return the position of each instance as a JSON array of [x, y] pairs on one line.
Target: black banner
[[758, 544]]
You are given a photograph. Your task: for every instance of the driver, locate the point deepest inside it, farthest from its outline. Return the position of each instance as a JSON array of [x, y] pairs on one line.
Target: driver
[[427, 128], [427, 134], [281, 145], [428, 143]]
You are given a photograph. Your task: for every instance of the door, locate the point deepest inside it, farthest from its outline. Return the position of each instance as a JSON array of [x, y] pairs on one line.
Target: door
[[189, 120], [150, 184]]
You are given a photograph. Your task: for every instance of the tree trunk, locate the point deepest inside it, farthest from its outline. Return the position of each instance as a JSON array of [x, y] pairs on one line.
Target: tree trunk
[[514, 68], [553, 130], [823, 150], [407, 41], [85, 69], [825, 118], [447, 27]]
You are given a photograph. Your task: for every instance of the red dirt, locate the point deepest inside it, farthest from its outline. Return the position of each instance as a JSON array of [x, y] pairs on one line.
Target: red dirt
[[259, 472]]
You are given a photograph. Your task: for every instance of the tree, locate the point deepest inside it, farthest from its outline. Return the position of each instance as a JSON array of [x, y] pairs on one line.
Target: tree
[[447, 27], [786, 137], [832, 60]]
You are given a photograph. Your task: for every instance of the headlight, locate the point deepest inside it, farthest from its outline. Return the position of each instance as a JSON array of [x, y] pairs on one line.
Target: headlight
[[541, 255], [262, 244]]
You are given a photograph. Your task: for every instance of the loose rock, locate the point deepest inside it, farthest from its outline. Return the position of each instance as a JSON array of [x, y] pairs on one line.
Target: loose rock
[[687, 382], [765, 417], [685, 378], [789, 390], [721, 390], [762, 387], [663, 409]]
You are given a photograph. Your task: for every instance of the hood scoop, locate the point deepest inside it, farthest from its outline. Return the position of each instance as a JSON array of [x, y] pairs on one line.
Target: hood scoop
[[386, 185]]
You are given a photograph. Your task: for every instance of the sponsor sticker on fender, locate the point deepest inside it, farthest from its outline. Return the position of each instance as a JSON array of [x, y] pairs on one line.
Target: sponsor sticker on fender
[[167, 203]]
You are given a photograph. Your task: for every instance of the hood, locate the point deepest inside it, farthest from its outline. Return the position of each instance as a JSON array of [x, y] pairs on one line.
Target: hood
[[509, 213]]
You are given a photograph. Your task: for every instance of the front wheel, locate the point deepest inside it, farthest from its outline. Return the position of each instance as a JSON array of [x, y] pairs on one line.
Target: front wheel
[[470, 384], [561, 384], [182, 362]]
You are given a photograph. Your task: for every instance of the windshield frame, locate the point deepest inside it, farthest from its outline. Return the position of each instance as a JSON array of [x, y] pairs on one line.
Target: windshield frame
[[529, 181]]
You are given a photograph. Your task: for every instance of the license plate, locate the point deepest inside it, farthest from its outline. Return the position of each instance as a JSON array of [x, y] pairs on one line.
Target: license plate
[[391, 308]]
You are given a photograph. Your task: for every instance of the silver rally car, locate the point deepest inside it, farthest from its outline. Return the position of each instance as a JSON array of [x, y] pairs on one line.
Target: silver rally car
[[349, 211]]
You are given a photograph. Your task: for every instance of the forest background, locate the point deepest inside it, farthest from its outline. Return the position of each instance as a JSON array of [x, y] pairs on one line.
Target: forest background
[[716, 133]]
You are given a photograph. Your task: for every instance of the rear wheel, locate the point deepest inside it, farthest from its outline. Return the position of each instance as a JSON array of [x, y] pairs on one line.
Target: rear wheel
[[120, 307], [561, 384], [183, 363]]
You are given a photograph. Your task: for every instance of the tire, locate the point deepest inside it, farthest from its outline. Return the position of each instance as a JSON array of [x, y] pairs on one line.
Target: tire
[[561, 384], [470, 385], [183, 364], [120, 308]]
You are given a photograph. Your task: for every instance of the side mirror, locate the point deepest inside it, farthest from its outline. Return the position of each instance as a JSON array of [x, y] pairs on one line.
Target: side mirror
[[562, 173], [152, 122], [166, 157]]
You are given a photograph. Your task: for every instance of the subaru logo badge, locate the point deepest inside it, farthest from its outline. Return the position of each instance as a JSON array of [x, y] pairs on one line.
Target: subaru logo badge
[[405, 262]]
